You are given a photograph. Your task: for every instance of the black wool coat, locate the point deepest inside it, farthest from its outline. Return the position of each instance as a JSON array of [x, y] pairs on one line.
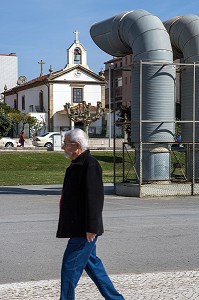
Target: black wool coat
[[82, 198]]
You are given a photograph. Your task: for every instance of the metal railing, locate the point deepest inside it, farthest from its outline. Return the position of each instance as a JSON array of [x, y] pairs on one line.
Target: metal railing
[[183, 172]]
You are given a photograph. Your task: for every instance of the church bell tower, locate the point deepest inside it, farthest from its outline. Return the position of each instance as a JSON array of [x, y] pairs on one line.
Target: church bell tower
[[76, 53]]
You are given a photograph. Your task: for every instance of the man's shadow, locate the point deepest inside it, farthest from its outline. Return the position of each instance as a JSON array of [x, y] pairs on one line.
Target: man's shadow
[[44, 190]]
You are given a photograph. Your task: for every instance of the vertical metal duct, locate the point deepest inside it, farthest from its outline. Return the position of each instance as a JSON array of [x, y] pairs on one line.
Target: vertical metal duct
[[144, 35], [184, 35]]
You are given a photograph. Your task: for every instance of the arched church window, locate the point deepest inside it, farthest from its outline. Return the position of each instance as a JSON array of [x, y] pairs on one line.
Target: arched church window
[[77, 56], [23, 102], [41, 101]]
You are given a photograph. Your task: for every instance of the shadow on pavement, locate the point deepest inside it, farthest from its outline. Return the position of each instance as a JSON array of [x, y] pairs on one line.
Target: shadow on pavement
[[42, 190], [30, 191]]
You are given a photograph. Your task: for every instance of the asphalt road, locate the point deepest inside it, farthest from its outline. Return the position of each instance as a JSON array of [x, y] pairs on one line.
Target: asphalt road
[[142, 235]]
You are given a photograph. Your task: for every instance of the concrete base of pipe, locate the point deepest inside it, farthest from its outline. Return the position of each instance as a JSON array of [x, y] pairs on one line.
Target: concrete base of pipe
[[155, 162]]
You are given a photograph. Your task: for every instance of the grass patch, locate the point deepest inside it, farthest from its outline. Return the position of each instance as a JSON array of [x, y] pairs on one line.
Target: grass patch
[[26, 168]]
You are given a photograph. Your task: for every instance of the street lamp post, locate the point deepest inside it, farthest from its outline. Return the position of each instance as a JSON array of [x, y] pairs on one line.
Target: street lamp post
[[109, 101]]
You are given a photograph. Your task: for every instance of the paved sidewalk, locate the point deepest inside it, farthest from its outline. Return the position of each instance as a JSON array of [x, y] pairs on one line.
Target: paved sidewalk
[[149, 286]]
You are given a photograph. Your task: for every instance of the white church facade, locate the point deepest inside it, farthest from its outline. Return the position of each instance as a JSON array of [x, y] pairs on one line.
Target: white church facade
[[45, 96]]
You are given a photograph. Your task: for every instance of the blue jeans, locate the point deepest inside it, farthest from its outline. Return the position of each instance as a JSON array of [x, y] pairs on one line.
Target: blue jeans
[[80, 255]]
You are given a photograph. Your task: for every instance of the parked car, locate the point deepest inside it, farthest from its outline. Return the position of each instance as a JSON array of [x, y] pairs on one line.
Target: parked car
[[45, 140], [7, 142], [177, 147]]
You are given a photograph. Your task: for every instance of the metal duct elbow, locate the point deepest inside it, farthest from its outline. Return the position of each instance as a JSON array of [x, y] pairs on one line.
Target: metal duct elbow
[[137, 32], [106, 36], [184, 35]]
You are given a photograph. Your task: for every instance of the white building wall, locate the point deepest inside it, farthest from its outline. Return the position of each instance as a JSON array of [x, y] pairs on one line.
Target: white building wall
[[8, 71], [92, 94], [61, 120], [77, 75], [32, 98], [61, 95], [10, 100]]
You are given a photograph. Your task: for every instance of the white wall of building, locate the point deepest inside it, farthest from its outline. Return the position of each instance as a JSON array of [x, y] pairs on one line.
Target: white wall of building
[[61, 120], [92, 94], [61, 95], [8, 71], [32, 98], [10, 100], [77, 75]]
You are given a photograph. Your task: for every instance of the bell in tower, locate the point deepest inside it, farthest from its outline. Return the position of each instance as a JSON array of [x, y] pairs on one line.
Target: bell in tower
[[76, 53], [77, 56]]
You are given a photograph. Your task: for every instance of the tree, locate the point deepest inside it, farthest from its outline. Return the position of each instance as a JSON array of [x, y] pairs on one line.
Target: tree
[[12, 113], [83, 113], [37, 126], [17, 117], [124, 120], [7, 109], [27, 119], [5, 123]]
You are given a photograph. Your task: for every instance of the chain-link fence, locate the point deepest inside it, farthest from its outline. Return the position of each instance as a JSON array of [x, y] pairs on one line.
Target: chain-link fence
[[171, 173]]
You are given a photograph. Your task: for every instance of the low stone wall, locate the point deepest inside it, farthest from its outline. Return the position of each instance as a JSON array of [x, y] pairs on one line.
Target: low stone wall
[[94, 143], [100, 143]]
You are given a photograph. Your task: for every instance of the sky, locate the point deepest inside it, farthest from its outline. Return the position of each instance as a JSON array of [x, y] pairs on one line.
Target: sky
[[43, 29]]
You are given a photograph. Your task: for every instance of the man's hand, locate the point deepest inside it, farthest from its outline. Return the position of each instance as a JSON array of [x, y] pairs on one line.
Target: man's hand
[[90, 236]]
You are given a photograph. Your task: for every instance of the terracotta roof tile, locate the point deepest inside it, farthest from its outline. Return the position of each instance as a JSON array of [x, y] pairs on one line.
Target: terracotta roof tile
[[49, 76]]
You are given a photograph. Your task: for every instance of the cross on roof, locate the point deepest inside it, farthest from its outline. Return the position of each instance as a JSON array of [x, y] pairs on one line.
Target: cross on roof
[[76, 32], [41, 63]]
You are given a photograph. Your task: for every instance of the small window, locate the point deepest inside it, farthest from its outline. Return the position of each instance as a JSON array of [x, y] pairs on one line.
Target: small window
[[92, 131], [31, 108], [15, 104], [118, 81], [77, 95], [23, 104]]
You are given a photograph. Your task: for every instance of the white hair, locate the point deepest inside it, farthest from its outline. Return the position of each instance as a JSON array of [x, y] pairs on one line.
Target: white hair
[[77, 135]]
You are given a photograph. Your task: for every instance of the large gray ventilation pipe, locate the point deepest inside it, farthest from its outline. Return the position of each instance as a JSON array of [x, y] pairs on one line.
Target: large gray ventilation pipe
[[144, 35], [184, 35]]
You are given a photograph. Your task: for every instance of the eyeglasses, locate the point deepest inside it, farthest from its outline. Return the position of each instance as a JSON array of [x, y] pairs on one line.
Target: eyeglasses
[[68, 144]]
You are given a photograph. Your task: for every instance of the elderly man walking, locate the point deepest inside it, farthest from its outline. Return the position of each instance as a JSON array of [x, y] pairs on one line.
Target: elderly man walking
[[80, 219]]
